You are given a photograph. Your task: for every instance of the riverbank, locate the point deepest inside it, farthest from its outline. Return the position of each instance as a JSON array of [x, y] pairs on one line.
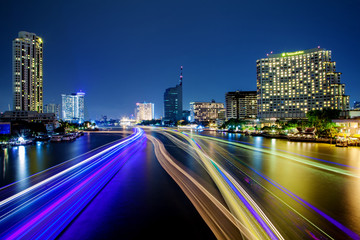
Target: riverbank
[[342, 142]]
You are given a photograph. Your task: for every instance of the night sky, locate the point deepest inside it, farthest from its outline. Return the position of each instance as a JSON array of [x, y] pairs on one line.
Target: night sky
[[123, 52]]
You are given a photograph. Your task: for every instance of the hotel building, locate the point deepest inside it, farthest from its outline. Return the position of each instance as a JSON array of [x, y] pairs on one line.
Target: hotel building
[[241, 104], [144, 111], [28, 72], [206, 111], [73, 106], [291, 84]]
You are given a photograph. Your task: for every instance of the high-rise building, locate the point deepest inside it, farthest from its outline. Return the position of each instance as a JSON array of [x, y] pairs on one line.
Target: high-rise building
[[144, 111], [73, 107], [28, 72], [206, 111], [241, 104], [291, 84], [173, 102], [52, 108]]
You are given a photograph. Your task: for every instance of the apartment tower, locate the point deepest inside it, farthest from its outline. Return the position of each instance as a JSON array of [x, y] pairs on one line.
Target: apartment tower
[[28, 72]]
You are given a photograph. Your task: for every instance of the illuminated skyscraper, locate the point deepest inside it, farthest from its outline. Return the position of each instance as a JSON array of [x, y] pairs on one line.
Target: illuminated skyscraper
[[241, 104], [291, 84], [173, 102], [73, 107], [28, 72], [144, 111]]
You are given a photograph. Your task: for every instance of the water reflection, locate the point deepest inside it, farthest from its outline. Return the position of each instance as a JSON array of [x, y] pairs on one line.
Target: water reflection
[[332, 192], [21, 163], [5, 161]]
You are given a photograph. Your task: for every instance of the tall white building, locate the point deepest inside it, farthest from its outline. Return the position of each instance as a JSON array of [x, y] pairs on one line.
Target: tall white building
[[144, 111], [28, 72], [291, 84], [73, 107]]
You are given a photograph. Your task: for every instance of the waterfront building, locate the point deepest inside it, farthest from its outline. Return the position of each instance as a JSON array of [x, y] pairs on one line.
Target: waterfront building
[[348, 127], [173, 102], [127, 122], [241, 104], [206, 111], [27, 116], [73, 107], [27, 72], [144, 111], [291, 84], [52, 108]]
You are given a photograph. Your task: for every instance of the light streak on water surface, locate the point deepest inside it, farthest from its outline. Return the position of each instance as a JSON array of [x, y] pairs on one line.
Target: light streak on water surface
[[201, 149], [45, 209]]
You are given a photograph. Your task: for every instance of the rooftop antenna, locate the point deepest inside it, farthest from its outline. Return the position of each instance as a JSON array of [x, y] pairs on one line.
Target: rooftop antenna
[[181, 76]]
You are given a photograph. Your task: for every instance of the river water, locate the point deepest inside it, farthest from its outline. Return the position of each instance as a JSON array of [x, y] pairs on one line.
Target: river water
[[143, 193], [141, 202], [19, 162]]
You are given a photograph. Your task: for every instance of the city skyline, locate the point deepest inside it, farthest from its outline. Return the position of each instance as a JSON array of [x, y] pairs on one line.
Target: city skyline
[[255, 133], [217, 49]]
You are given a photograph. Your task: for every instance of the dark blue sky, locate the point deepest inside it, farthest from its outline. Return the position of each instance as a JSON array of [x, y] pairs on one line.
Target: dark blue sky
[[123, 52]]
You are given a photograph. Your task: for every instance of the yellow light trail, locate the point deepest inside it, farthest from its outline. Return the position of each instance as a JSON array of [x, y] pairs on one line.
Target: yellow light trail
[[287, 156], [240, 204]]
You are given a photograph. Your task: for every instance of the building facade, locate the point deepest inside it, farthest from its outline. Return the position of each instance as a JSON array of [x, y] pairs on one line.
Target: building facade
[[241, 104], [53, 108], [291, 84], [27, 116], [173, 107], [206, 111], [144, 111], [28, 72], [73, 107]]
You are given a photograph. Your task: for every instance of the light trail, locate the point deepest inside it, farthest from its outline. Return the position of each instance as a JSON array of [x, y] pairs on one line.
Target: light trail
[[247, 212], [122, 143], [185, 147], [296, 159], [269, 191], [220, 220], [298, 199], [59, 165], [54, 204], [190, 139]]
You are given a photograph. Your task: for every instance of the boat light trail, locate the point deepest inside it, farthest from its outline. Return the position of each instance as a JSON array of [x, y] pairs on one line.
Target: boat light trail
[[52, 210], [248, 216], [301, 201], [300, 160]]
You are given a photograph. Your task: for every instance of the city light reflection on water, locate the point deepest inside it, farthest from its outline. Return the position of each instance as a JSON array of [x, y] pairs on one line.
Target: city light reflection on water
[[20, 162], [320, 173]]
